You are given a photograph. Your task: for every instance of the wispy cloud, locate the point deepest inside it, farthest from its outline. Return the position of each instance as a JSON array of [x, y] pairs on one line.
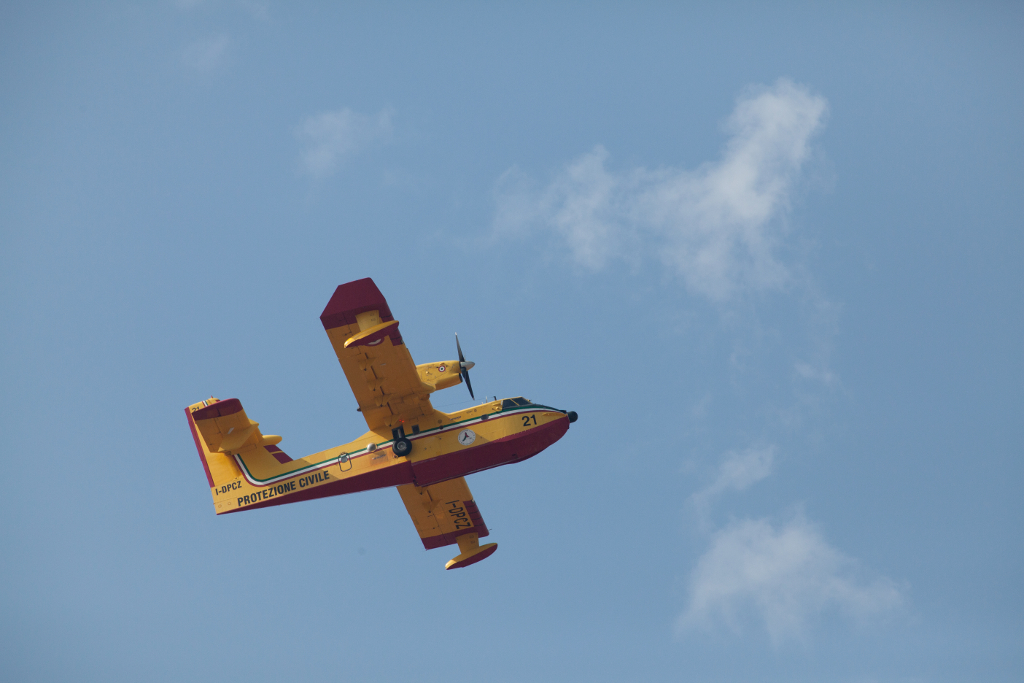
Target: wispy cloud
[[815, 373], [717, 226], [208, 54], [330, 137], [737, 472], [784, 576]]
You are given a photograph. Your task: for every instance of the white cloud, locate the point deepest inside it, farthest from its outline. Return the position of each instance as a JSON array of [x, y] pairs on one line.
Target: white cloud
[[816, 374], [785, 577], [208, 54], [737, 472], [334, 135], [717, 227]]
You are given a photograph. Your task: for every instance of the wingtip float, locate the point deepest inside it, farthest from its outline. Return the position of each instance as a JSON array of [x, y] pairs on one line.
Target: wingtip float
[[423, 452]]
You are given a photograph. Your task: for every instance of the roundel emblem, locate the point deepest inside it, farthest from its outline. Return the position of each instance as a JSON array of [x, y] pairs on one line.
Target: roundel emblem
[[467, 437], [442, 367]]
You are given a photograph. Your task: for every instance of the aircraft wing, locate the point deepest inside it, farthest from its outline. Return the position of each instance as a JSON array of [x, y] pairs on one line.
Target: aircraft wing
[[443, 512], [376, 362]]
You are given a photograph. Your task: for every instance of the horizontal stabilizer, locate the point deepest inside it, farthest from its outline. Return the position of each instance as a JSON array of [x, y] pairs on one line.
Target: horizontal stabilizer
[[224, 435], [233, 440], [227, 429]]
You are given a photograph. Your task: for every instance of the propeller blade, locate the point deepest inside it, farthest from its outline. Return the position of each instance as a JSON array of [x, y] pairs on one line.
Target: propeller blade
[[464, 368]]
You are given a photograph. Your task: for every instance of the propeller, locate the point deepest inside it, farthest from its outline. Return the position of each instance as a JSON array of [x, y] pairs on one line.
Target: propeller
[[464, 367]]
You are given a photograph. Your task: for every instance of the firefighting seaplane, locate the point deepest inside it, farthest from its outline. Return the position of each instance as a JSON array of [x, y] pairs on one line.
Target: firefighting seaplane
[[423, 452]]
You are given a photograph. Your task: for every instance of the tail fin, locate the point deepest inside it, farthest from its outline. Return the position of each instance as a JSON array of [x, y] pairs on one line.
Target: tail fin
[[221, 429]]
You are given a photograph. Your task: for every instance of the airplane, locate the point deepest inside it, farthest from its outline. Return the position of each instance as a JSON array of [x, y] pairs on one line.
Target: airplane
[[423, 452]]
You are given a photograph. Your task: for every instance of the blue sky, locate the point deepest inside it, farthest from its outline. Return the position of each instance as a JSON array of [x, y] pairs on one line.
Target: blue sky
[[772, 257]]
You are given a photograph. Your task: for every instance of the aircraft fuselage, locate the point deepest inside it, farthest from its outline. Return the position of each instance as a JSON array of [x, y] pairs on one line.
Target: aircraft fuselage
[[444, 446]]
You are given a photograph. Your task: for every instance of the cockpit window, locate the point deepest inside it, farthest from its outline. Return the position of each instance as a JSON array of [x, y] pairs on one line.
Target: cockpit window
[[513, 402]]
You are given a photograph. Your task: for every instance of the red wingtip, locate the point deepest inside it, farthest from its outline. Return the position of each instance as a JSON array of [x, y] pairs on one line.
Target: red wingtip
[[351, 299]]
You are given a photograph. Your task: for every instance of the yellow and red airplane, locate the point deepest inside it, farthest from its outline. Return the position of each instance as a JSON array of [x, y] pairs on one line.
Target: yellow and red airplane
[[422, 451]]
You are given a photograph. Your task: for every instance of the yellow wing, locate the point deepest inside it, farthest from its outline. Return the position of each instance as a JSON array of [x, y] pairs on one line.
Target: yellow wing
[[443, 512], [365, 337]]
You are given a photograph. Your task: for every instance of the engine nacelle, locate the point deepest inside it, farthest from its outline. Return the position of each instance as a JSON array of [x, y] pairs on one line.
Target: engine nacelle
[[440, 375]]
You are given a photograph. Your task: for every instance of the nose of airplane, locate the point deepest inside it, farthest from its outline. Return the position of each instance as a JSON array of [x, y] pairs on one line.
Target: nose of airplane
[[572, 416]]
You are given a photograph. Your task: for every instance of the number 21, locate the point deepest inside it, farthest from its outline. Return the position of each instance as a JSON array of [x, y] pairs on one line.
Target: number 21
[[527, 418]]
